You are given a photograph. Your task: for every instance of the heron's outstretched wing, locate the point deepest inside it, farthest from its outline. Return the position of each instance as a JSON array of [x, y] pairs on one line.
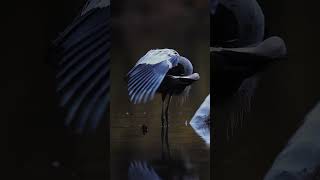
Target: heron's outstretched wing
[[146, 76], [141, 171], [83, 67]]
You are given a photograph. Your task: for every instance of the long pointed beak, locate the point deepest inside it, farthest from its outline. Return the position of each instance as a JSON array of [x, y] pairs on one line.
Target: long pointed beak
[[187, 79], [194, 76]]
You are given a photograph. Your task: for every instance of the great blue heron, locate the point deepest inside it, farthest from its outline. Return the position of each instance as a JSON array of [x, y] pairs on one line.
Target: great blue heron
[[236, 75], [238, 55], [81, 55], [163, 71]]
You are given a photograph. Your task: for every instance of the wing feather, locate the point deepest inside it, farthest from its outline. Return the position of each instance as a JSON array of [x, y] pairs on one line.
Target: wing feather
[[90, 87], [144, 83], [81, 45], [146, 76], [77, 77], [145, 88], [85, 60], [83, 68], [156, 56]]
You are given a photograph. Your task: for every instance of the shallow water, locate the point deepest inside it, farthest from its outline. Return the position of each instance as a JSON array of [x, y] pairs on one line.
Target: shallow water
[[185, 147], [185, 29]]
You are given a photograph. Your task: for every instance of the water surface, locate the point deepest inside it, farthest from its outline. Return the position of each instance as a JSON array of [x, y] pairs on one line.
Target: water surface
[[180, 152]]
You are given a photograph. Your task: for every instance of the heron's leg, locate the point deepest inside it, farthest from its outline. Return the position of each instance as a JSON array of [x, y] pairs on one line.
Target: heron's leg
[[167, 142], [168, 109], [162, 136], [162, 109]]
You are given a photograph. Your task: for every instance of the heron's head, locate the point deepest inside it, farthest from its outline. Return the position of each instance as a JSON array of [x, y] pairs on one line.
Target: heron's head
[[187, 66]]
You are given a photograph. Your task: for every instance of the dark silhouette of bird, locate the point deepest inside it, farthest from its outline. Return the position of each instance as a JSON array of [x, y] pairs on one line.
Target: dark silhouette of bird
[[239, 54], [236, 23], [81, 57], [161, 71]]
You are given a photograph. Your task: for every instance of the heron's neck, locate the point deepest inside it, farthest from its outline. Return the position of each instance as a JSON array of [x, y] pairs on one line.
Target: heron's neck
[[187, 66]]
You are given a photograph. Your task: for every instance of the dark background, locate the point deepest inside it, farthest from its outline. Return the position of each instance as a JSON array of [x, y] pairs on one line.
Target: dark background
[[287, 91], [32, 133], [37, 144]]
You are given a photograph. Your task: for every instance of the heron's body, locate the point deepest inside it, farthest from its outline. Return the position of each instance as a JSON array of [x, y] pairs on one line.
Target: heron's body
[[239, 53], [175, 84], [233, 65], [160, 71]]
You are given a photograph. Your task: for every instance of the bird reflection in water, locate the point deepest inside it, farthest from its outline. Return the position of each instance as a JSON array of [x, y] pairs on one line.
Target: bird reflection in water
[[166, 168]]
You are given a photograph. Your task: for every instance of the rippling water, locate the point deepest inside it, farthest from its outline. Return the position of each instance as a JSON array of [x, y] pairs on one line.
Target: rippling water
[[181, 152], [185, 29]]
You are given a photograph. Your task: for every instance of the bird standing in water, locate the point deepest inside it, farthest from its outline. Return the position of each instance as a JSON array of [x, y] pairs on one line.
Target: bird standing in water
[[161, 71]]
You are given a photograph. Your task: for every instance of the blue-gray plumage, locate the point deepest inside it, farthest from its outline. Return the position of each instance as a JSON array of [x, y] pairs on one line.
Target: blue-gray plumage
[[200, 122], [163, 71], [82, 66]]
